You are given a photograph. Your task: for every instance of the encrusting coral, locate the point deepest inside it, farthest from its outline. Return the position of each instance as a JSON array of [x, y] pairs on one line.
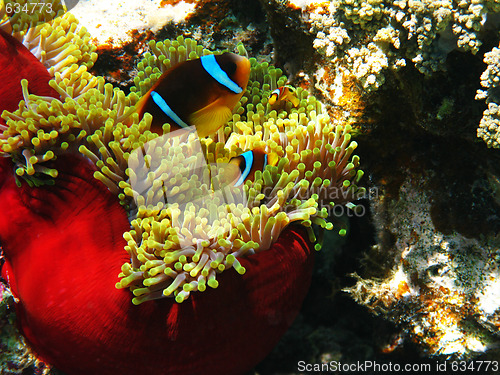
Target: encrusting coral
[[173, 250], [488, 128], [371, 36]]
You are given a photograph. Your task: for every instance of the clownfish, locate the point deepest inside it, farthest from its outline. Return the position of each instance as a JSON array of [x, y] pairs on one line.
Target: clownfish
[[248, 163], [283, 93], [200, 92]]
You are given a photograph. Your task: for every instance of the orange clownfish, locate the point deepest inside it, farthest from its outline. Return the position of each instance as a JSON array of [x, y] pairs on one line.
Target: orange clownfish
[[248, 163], [200, 92], [283, 93]]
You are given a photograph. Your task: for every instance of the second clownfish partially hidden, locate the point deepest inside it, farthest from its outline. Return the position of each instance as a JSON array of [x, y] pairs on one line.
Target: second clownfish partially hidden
[[248, 163], [243, 167], [283, 93], [200, 92]]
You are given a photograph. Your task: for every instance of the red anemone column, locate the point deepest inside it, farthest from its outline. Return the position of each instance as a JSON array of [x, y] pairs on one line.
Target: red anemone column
[[64, 248]]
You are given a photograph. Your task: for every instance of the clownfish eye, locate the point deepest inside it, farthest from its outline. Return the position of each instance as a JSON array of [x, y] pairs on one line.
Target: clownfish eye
[[227, 64], [230, 68]]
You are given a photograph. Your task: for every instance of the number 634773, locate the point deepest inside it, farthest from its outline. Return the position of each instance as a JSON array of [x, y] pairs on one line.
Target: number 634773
[[28, 8]]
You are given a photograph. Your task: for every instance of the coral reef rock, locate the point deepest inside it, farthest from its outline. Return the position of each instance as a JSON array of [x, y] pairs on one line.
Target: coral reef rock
[[442, 289], [489, 127]]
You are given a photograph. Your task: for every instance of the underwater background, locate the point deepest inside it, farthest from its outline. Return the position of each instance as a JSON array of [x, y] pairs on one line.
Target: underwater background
[[408, 270]]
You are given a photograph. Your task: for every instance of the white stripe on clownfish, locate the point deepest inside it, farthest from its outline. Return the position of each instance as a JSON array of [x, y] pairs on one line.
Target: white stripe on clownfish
[[210, 64], [160, 102]]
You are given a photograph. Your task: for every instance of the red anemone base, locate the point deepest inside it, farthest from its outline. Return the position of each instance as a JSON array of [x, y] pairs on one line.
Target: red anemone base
[[63, 246]]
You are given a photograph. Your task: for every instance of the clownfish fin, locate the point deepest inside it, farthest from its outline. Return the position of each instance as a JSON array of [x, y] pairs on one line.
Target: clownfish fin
[[210, 118], [293, 98], [272, 159]]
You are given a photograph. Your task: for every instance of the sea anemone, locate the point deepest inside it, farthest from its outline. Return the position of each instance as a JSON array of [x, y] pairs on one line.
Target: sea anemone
[[56, 144], [20, 63], [82, 324]]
